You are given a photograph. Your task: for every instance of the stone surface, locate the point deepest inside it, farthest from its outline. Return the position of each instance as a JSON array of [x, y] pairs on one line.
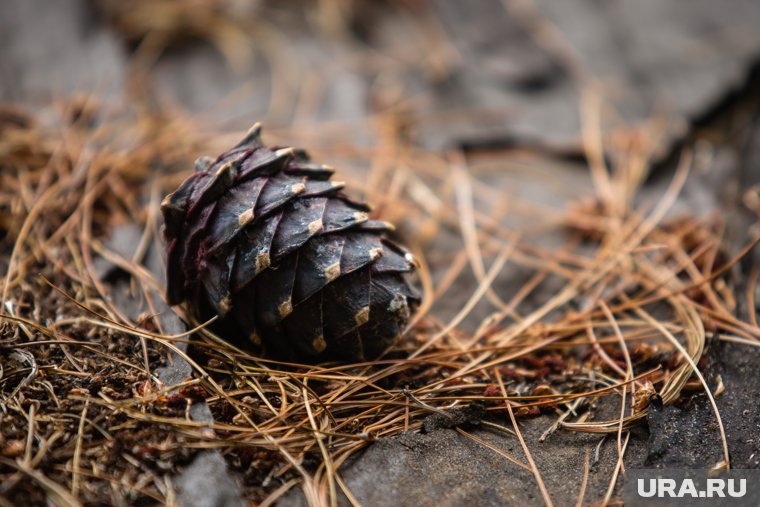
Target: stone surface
[[492, 84], [52, 49], [206, 483], [449, 469]]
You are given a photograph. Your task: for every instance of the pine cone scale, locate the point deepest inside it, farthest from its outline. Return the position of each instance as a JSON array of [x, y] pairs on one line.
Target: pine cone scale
[[215, 277], [301, 222], [359, 250], [306, 323], [274, 291], [263, 163], [210, 186], [339, 216], [319, 264], [234, 211], [346, 305], [253, 251]]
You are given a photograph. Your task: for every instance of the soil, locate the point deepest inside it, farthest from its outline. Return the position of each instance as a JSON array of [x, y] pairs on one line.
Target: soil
[[697, 58]]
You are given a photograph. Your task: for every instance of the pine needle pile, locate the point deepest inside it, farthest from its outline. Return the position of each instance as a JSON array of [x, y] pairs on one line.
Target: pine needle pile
[[635, 296]]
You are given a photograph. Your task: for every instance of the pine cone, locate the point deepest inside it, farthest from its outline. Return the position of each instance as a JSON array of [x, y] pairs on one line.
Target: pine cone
[[262, 238]]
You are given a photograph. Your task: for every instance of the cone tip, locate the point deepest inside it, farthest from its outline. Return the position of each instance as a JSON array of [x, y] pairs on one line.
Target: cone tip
[[203, 163], [285, 152], [252, 137], [412, 260]]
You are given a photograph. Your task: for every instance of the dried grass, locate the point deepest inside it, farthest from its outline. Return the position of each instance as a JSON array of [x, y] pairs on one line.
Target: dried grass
[[631, 321], [85, 419]]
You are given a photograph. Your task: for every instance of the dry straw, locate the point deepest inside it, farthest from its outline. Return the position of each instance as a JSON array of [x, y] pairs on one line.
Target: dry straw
[[90, 421], [615, 317]]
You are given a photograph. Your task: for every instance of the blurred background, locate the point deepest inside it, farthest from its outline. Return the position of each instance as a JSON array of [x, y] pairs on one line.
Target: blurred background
[[482, 73]]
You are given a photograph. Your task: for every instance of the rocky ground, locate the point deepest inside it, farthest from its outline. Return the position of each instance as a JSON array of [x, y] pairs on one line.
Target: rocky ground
[[481, 76]]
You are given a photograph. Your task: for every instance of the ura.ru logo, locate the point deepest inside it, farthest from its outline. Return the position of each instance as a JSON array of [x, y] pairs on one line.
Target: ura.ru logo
[[715, 488]]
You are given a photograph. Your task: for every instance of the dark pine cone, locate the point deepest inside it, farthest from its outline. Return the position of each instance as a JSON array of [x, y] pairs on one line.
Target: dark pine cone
[[263, 239]]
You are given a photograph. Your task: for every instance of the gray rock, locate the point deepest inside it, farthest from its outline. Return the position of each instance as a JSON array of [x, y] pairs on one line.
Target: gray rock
[[206, 483], [51, 49]]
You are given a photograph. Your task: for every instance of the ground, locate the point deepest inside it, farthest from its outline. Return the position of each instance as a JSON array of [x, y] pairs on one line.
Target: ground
[[511, 92]]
